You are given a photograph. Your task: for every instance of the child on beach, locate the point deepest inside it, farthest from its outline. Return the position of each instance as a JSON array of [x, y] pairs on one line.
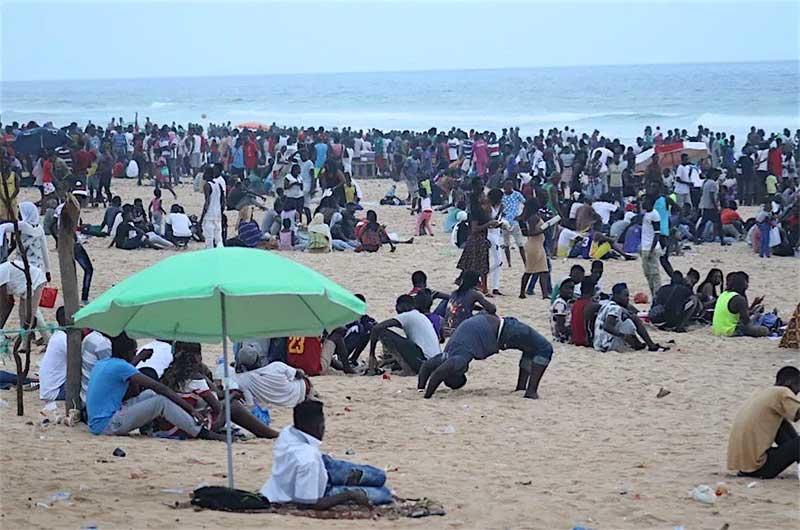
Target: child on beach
[[764, 222], [155, 212], [424, 213], [287, 238], [163, 177]]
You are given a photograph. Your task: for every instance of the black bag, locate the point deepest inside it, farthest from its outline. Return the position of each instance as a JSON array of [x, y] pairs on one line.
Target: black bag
[[228, 500]]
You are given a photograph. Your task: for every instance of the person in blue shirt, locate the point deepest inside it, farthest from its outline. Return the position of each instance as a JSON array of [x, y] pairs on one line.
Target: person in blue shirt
[[321, 151], [115, 378]]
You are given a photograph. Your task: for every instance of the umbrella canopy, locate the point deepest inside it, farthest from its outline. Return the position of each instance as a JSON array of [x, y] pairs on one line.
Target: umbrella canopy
[[266, 295], [669, 155], [216, 294], [253, 125], [30, 141]]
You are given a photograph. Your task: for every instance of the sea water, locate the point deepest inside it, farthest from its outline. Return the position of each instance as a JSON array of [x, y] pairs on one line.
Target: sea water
[[617, 100]]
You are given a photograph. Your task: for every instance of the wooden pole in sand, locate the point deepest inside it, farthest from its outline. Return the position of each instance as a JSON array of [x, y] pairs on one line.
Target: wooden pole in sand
[[27, 322], [67, 223]]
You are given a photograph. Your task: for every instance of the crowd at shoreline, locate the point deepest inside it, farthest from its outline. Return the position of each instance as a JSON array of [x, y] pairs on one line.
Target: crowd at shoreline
[[556, 194]]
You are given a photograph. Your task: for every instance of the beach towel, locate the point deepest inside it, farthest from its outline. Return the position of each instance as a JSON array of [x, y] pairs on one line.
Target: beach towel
[[240, 501], [791, 337]]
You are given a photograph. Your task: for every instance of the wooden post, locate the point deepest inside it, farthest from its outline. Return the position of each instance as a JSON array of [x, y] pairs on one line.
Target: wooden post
[[67, 223], [22, 371]]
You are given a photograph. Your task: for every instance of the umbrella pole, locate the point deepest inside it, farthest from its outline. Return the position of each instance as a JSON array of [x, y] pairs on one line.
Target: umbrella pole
[[227, 390]]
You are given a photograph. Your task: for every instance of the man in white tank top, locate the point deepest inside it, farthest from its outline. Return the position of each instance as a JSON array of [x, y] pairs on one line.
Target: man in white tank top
[[196, 156], [211, 219]]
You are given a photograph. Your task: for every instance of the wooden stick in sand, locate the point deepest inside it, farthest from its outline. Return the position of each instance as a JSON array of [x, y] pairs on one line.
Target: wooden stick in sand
[[22, 371], [67, 224]]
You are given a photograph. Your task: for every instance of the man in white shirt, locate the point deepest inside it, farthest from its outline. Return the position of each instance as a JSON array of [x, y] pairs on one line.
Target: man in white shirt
[[420, 343], [302, 474], [159, 360], [53, 368], [307, 176], [293, 189], [452, 147], [95, 346], [604, 209], [276, 384], [213, 206], [618, 328], [181, 225], [683, 180], [651, 226]]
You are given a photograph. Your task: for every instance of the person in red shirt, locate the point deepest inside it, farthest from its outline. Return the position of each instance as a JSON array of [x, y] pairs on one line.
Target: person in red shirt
[[580, 317], [774, 160], [250, 150], [47, 169], [732, 224], [119, 170], [305, 353], [83, 160]]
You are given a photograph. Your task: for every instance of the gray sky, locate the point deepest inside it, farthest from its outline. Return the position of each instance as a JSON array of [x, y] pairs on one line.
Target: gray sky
[[113, 39]]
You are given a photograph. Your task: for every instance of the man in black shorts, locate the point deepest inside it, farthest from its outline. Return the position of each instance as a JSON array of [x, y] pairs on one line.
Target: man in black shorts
[[480, 337]]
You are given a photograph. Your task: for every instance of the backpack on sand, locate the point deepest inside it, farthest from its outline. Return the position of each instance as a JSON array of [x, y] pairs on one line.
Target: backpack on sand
[[228, 500]]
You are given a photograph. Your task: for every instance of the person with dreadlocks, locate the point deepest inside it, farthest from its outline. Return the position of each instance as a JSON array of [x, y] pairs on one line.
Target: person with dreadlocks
[[190, 378]]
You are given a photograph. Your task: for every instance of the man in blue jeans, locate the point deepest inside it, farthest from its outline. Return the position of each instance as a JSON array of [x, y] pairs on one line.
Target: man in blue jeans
[[301, 474], [480, 337]]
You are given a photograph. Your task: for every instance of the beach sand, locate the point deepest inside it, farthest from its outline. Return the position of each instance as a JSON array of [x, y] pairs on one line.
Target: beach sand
[[598, 449]]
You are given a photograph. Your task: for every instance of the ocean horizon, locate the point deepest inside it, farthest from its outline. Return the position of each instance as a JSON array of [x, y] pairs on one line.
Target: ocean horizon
[[619, 100]]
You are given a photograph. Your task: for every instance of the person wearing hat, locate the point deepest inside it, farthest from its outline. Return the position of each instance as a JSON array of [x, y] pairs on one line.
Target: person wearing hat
[[618, 328], [479, 337]]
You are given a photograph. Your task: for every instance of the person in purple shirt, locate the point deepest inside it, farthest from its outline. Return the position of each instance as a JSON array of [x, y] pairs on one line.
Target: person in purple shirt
[[423, 301]]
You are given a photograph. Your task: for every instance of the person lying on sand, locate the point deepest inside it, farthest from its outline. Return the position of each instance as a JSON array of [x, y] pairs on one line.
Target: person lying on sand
[[302, 474], [765, 420], [114, 379], [480, 337], [618, 328]]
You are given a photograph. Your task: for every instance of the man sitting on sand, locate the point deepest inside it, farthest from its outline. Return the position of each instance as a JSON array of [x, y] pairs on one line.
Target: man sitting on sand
[[763, 441], [618, 328], [115, 379], [421, 341], [480, 337], [419, 282], [674, 305], [733, 317], [302, 474]]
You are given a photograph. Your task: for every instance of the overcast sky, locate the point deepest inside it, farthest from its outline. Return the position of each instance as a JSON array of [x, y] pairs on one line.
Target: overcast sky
[[112, 39]]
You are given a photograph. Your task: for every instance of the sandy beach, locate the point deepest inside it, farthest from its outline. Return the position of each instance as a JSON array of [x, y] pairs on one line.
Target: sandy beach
[[597, 450]]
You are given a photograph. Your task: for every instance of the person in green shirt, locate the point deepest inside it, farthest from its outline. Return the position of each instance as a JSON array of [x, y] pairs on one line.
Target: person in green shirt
[[772, 184], [615, 169], [733, 317]]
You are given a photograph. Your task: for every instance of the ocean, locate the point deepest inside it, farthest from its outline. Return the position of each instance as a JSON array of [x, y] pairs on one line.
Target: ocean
[[617, 100]]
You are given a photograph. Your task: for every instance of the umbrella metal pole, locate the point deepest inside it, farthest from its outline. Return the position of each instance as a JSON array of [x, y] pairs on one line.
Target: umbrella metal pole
[[227, 391]]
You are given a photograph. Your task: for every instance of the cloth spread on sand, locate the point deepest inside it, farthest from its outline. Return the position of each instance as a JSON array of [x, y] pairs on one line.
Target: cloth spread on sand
[[791, 338]]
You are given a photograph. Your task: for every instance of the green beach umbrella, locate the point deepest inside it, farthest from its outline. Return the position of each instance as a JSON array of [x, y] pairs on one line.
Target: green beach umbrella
[[182, 297], [212, 295]]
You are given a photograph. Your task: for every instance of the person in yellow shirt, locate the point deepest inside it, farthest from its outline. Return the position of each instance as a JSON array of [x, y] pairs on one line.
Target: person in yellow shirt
[[772, 184], [763, 441]]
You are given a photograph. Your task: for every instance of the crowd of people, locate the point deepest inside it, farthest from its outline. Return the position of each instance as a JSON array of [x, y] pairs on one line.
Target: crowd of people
[[555, 194]]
